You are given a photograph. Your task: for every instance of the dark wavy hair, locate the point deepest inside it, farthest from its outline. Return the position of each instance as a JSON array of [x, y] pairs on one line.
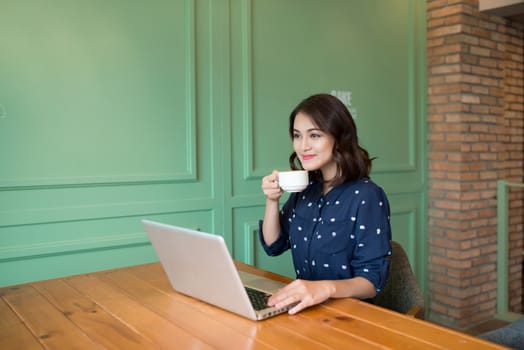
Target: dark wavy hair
[[331, 116]]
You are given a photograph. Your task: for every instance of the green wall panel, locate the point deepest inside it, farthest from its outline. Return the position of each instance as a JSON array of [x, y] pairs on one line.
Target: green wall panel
[[73, 87], [172, 110], [14, 271], [98, 129], [280, 57], [61, 248], [283, 51], [247, 246]]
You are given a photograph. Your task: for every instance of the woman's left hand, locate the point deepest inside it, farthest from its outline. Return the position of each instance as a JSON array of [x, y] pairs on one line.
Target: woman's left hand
[[303, 293]]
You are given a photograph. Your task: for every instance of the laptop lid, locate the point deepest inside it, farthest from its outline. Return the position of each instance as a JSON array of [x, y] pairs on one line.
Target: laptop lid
[[199, 265]]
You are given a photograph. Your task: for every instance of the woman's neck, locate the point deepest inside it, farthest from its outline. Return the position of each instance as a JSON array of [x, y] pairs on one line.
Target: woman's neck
[[326, 187]]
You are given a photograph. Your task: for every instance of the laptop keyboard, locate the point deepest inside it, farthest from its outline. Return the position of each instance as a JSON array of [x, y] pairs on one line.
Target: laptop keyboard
[[258, 298]]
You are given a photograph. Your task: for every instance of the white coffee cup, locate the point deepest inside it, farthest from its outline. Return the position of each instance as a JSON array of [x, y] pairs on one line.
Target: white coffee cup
[[293, 181]]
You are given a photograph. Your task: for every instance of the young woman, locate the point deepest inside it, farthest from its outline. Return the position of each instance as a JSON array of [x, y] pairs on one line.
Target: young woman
[[338, 228]]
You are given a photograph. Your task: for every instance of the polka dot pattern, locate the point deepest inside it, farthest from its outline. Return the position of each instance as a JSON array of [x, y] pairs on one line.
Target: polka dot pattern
[[341, 235]]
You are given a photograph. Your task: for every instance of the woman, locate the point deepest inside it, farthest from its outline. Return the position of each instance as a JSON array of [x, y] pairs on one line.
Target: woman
[[338, 228]]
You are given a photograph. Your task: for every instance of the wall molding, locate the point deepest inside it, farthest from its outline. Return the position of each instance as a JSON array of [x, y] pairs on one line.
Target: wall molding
[[67, 247], [189, 175], [103, 211], [250, 171], [411, 212], [250, 235]]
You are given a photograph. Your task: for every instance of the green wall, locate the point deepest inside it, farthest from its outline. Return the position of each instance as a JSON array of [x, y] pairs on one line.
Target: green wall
[[114, 110]]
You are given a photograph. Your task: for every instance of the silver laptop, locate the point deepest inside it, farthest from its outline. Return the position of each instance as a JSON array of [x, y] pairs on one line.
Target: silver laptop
[[199, 265]]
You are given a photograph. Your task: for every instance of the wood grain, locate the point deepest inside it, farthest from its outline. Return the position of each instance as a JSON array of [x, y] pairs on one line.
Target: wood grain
[[136, 308]]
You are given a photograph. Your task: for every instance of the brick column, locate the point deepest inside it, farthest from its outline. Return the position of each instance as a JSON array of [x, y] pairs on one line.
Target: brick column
[[475, 123], [514, 115]]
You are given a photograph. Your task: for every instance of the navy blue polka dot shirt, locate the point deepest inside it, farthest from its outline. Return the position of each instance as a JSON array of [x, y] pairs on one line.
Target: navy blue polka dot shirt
[[342, 235]]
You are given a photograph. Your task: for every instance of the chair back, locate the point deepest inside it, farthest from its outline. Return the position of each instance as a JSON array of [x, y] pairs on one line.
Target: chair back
[[401, 292]]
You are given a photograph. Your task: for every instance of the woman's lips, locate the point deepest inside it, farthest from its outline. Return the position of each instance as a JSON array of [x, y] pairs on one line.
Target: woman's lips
[[307, 156]]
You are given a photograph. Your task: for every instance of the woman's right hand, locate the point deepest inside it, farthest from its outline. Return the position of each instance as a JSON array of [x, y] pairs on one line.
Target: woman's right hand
[[270, 186]]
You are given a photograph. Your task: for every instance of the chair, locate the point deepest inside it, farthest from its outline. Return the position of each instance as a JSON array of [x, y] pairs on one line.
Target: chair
[[401, 292], [511, 335]]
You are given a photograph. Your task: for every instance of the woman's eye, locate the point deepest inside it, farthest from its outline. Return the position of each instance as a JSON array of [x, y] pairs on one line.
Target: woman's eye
[[315, 136], [296, 136]]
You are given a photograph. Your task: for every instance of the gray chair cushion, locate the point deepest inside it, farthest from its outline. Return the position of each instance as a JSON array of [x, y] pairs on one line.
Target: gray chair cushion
[[511, 335]]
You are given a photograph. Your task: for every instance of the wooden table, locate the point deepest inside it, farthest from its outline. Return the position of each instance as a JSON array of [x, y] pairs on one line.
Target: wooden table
[[136, 308]]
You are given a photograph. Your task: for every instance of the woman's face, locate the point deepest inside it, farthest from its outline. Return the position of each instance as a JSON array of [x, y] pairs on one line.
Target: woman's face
[[314, 147]]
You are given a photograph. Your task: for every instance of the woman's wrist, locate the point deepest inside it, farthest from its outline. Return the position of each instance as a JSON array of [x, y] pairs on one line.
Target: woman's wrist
[[332, 288], [272, 201]]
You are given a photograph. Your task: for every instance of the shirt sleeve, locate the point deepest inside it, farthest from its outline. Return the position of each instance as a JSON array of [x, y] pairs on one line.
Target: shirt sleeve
[[373, 239], [282, 243], [278, 247]]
